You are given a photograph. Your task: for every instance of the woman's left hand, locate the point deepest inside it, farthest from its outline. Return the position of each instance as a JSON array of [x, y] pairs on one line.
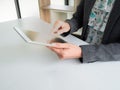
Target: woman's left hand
[[66, 50]]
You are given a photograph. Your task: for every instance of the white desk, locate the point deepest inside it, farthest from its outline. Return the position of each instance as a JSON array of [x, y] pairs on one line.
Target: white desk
[[33, 67]]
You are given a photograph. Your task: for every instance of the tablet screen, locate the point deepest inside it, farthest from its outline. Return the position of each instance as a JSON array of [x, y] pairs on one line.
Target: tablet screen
[[39, 37], [45, 38]]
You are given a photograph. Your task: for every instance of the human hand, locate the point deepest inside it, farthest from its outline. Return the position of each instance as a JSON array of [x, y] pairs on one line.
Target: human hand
[[66, 50], [60, 27]]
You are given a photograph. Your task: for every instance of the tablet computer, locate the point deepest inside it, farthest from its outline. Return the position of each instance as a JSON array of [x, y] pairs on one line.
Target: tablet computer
[[39, 37]]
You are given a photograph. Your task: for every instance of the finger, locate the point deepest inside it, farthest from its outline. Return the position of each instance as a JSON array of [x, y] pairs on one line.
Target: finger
[[60, 45], [57, 26], [58, 52], [60, 56], [61, 31]]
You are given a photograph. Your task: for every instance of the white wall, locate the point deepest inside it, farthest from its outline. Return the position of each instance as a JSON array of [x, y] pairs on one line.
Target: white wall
[[7, 10], [57, 2], [29, 8]]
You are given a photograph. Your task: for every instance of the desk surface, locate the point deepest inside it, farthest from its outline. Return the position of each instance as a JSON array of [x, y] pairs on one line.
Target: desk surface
[[32, 67]]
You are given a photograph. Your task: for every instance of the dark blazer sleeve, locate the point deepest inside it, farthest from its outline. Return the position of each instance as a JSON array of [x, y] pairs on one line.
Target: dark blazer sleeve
[[93, 53], [77, 20]]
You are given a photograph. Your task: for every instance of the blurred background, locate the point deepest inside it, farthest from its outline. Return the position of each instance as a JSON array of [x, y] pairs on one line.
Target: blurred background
[[59, 9]]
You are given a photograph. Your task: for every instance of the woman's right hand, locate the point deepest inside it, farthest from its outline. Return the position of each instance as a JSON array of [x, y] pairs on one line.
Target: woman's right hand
[[60, 27]]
